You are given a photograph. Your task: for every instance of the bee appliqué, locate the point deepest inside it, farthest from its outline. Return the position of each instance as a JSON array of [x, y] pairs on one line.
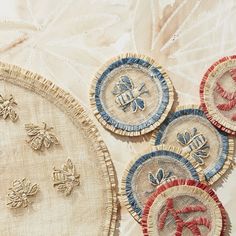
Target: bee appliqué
[[20, 192], [194, 143], [7, 108], [66, 178], [128, 96], [41, 137]]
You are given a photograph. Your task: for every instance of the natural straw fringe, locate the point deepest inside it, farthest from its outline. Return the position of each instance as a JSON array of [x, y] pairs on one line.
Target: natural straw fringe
[[120, 131], [210, 112], [125, 197], [229, 162], [175, 187], [65, 102]]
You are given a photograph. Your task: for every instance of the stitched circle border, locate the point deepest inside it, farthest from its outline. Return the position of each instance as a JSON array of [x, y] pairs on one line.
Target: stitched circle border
[[176, 185], [226, 156], [161, 150], [210, 113], [156, 72]]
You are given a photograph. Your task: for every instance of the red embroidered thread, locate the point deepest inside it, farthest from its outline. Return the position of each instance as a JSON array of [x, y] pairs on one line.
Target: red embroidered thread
[[231, 97], [192, 225]]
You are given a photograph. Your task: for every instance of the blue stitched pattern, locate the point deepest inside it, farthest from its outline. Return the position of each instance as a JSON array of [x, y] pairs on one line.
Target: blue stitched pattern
[[222, 136], [153, 72], [155, 154]]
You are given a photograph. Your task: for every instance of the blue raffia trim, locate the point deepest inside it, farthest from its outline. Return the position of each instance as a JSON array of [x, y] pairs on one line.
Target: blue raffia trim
[[154, 72], [197, 112], [155, 154]]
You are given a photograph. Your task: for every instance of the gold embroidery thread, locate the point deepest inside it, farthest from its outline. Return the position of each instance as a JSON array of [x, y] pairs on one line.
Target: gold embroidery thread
[[19, 193], [66, 178], [41, 137], [7, 108]]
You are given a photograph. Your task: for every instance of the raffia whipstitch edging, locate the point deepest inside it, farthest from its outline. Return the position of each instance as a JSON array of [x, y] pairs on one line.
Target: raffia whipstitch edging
[[220, 228], [128, 199], [120, 131], [228, 151], [211, 114], [70, 106]]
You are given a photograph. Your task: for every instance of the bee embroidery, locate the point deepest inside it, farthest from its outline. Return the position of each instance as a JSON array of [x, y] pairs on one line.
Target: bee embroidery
[[66, 178], [40, 136], [128, 96], [6, 108], [20, 192], [194, 143]]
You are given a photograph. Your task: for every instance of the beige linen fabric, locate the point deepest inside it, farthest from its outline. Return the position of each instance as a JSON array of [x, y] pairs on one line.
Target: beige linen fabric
[[68, 41]]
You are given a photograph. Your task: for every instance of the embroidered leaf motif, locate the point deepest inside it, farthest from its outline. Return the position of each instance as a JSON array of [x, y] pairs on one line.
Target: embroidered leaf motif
[[65, 179], [40, 136], [192, 225], [160, 177], [7, 108], [20, 192], [194, 143], [128, 96]]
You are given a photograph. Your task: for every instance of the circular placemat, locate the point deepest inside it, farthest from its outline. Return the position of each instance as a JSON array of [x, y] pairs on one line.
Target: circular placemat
[[189, 129], [218, 94], [184, 207], [131, 95], [150, 170], [53, 156]]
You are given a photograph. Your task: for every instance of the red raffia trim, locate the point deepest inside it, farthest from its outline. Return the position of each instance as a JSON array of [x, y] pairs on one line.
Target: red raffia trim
[[234, 117], [233, 74], [178, 182], [201, 90], [223, 93], [227, 106]]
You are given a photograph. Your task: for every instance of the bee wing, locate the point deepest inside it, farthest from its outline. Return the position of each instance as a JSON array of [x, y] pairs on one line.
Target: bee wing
[[5, 112], [49, 139], [14, 200], [61, 187], [32, 190], [37, 142], [32, 129], [69, 167], [134, 106], [140, 103], [127, 82], [69, 188]]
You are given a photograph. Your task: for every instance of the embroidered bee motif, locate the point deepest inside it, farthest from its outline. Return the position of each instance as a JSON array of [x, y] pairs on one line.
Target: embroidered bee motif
[[6, 108], [194, 143], [20, 192], [66, 178], [159, 177], [40, 136], [128, 96]]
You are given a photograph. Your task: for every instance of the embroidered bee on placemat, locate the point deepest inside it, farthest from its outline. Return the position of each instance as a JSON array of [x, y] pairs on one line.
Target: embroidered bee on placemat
[[40, 136], [7, 108], [194, 143], [128, 96], [66, 178], [20, 192]]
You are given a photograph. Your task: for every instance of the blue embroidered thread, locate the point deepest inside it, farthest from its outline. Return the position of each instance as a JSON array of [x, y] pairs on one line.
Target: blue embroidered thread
[[197, 112], [155, 154], [154, 73]]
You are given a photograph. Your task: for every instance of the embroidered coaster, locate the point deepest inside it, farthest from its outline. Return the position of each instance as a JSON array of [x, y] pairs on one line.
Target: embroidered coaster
[[218, 94], [131, 95], [189, 129], [150, 170], [184, 207]]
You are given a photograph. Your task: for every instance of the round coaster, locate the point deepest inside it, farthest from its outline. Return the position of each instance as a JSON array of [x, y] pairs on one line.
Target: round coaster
[[131, 95], [184, 207], [148, 171], [218, 94], [189, 129]]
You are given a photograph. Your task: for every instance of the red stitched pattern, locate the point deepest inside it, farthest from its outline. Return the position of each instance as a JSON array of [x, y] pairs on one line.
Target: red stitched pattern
[[180, 224], [230, 97]]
